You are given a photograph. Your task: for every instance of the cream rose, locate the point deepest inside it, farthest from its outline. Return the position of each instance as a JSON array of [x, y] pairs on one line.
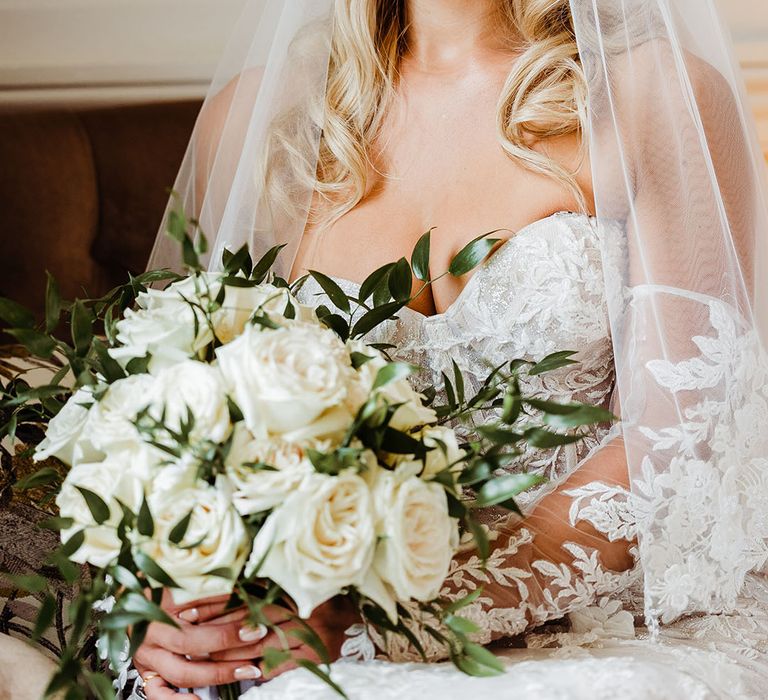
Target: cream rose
[[320, 541], [111, 420], [289, 379], [115, 479], [255, 489], [215, 529], [240, 304], [417, 536], [196, 389], [63, 438], [445, 451], [164, 324]]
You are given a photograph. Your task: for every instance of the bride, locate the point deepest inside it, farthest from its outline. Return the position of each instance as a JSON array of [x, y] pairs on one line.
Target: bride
[[609, 140]]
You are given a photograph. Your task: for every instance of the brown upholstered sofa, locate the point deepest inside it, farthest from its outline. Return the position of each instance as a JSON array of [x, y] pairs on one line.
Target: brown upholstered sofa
[[82, 193]]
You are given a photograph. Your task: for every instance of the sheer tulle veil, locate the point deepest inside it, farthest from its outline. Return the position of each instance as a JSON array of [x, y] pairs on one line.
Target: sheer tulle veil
[[675, 161]]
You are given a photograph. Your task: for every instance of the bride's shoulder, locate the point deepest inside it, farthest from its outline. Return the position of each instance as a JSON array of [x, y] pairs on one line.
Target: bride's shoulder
[[655, 68]]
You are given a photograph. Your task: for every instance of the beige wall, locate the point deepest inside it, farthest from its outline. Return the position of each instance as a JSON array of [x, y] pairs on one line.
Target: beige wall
[[112, 51]]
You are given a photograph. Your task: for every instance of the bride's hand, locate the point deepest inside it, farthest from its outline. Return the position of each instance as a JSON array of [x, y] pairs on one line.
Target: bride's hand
[[213, 646], [216, 647]]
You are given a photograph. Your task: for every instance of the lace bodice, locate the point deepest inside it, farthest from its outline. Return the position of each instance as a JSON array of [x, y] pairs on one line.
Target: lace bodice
[[541, 292]]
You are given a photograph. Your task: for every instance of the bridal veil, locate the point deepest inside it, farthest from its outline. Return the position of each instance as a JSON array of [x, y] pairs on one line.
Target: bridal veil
[[675, 162]]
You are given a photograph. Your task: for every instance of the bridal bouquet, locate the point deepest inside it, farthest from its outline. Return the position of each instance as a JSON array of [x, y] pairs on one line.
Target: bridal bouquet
[[223, 438]]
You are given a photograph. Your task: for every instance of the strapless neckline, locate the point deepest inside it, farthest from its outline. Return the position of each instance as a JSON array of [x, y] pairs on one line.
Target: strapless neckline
[[502, 251]]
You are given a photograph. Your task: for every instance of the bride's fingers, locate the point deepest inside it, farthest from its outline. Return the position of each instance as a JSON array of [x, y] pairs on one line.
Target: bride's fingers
[[304, 653], [256, 651], [204, 639], [212, 613], [178, 671], [216, 610], [156, 688]]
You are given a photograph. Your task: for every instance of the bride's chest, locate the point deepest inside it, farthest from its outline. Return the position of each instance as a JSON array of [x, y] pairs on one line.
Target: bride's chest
[[454, 179]]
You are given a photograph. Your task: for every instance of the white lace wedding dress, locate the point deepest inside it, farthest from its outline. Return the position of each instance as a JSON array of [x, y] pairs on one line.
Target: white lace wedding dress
[[549, 583]]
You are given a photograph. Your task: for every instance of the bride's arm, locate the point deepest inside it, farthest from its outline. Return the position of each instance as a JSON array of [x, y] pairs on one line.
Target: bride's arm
[[574, 545]]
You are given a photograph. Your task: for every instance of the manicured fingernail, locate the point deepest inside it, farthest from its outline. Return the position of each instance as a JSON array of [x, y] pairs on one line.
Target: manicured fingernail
[[252, 634], [247, 673], [191, 615]]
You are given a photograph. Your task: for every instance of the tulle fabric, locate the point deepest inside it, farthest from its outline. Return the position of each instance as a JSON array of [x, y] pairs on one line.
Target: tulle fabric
[[678, 178]]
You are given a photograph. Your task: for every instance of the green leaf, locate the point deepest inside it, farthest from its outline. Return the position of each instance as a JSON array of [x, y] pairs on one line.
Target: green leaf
[[375, 318], [461, 625], [15, 314], [458, 379], [145, 523], [152, 569], [31, 583], [138, 365], [583, 415], [484, 657], [127, 578], [322, 675], [359, 359], [82, 328], [177, 225], [264, 265], [335, 293], [472, 254], [338, 324], [500, 436], [52, 304], [42, 477], [100, 685], [392, 372], [481, 538], [463, 602], [552, 362], [239, 262], [39, 344], [505, 488], [137, 603], [543, 439], [512, 407], [222, 572], [44, 617], [110, 368], [180, 529], [401, 281], [274, 658], [56, 524], [420, 257], [378, 278], [99, 509]]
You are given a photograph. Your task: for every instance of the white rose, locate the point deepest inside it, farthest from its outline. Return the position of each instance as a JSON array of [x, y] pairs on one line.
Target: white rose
[[63, 436], [320, 541], [164, 324], [215, 528], [111, 420], [444, 452], [417, 536], [240, 303], [257, 490], [287, 379], [196, 389], [112, 480], [411, 414]]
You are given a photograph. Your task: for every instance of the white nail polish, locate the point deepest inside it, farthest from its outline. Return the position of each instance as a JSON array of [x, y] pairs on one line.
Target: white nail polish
[[191, 615], [252, 634], [247, 673]]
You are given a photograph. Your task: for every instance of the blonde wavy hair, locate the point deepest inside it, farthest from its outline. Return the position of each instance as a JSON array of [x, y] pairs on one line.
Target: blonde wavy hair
[[544, 95]]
